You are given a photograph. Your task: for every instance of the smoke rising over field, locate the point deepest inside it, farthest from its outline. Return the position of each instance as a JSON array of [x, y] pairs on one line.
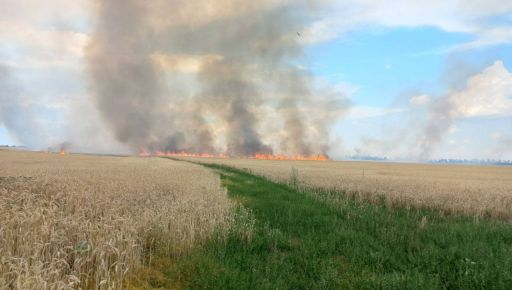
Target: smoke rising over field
[[440, 118], [485, 94], [266, 77], [238, 58], [468, 94], [128, 87]]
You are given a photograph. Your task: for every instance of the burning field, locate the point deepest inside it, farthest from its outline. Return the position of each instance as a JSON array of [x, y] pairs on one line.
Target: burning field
[[192, 144], [260, 156], [70, 221], [242, 94]]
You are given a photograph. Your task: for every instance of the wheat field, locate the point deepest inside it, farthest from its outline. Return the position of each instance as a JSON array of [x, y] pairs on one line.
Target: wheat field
[[466, 189], [85, 222], [89, 222]]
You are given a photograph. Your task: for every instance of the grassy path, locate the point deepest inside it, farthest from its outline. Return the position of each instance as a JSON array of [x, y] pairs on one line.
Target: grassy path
[[302, 243], [299, 242]]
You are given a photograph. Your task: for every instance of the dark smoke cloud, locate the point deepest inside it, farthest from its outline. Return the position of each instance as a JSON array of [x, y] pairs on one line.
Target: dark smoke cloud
[[246, 53], [16, 116], [297, 88], [252, 46], [230, 92], [127, 86]]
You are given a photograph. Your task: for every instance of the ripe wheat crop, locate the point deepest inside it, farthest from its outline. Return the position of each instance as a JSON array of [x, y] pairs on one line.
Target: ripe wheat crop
[[474, 190], [77, 221]]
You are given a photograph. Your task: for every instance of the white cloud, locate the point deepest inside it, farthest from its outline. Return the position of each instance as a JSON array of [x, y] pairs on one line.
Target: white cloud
[[43, 35], [487, 94], [465, 16], [487, 37], [363, 112], [419, 100], [346, 88]]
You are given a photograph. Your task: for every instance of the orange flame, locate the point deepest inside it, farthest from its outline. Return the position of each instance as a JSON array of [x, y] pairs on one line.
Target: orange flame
[[316, 157]]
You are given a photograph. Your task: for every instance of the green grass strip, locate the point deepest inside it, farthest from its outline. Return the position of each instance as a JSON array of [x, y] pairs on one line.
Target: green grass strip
[[300, 242]]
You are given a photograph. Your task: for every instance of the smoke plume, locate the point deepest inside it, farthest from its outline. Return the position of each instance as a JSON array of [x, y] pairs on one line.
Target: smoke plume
[[127, 86], [236, 57], [441, 117], [297, 89], [469, 93], [230, 92], [486, 94]]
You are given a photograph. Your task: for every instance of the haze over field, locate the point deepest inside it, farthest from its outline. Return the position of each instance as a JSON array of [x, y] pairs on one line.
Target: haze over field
[[410, 80]]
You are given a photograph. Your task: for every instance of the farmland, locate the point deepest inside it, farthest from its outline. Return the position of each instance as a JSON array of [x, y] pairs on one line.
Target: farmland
[[472, 190], [78, 221], [183, 145], [301, 240], [103, 222]]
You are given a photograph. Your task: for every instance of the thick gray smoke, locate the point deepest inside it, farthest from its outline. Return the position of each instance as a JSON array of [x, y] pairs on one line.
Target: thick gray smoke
[[231, 94], [441, 116], [245, 57], [127, 86], [297, 88], [16, 116]]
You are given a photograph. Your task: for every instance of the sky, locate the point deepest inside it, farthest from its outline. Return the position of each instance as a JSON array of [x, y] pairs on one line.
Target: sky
[[420, 79]]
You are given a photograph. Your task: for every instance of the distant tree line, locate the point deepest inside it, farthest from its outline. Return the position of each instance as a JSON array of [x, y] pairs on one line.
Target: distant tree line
[[440, 161], [367, 158]]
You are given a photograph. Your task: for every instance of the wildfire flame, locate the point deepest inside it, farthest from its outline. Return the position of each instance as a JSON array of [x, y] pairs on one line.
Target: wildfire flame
[[316, 157]]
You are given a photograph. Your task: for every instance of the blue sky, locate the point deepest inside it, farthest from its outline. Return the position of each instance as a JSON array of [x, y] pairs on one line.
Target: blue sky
[[393, 60], [387, 66], [384, 62]]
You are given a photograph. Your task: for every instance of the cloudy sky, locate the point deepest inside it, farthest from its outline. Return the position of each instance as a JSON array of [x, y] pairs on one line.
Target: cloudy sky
[[420, 79]]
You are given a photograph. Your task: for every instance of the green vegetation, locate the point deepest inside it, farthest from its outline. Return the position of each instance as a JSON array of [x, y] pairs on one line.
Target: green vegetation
[[330, 241]]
